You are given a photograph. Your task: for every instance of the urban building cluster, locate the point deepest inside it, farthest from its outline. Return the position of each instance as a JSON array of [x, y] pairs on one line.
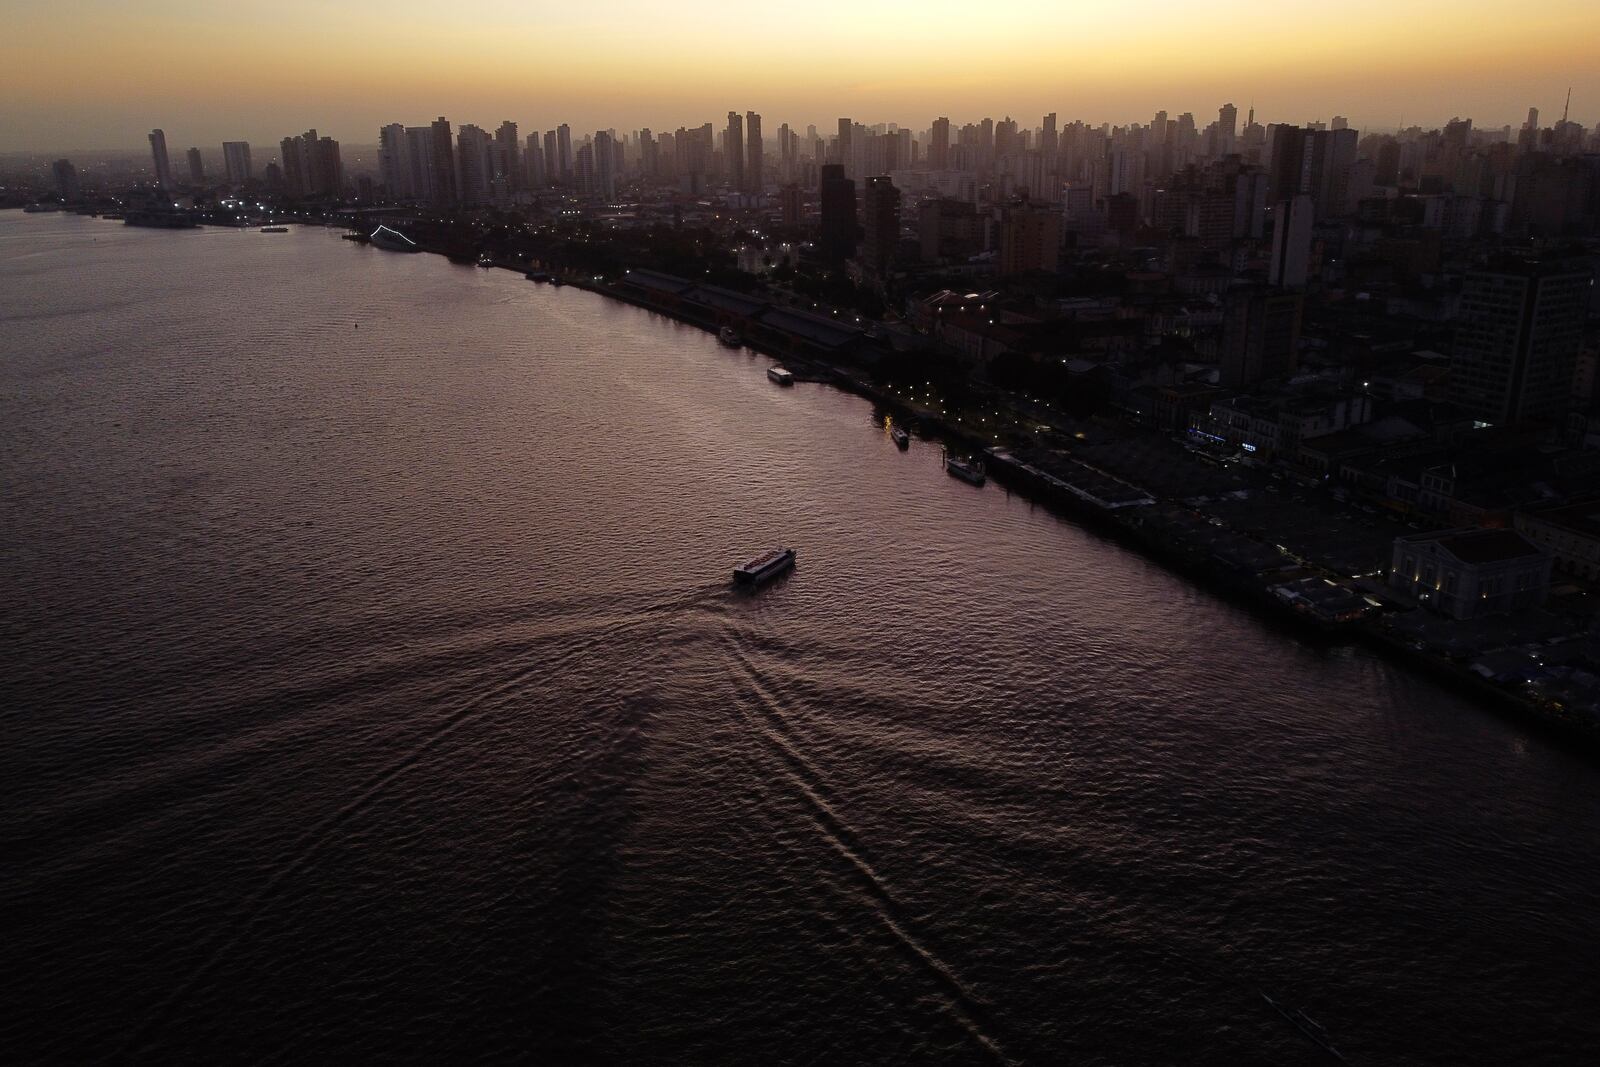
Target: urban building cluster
[[1361, 368]]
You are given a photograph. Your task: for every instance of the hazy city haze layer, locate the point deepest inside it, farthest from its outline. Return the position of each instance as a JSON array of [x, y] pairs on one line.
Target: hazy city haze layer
[[94, 73]]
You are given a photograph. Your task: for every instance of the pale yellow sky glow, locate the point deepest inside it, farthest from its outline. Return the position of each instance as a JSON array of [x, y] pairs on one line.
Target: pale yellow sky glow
[[100, 73]]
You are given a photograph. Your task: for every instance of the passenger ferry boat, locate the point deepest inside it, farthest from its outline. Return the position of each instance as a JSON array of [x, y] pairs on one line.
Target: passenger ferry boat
[[730, 337], [968, 470], [902, 439], [781, 375], [764, 567]]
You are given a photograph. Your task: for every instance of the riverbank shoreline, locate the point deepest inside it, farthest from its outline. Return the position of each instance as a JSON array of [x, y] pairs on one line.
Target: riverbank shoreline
[[1250, 591], [1369, 633]]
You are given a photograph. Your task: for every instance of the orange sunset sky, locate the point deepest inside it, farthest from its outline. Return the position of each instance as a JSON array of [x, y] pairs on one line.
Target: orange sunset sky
[[96, 73]]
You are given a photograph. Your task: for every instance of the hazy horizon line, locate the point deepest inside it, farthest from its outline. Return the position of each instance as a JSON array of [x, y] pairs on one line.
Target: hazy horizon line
[[825, 129]]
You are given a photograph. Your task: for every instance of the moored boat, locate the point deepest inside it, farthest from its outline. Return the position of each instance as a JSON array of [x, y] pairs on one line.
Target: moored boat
[[902, 439], [730, 337], [968, 470], [393, 240], [764, 567], [781, 375], [274, 229]]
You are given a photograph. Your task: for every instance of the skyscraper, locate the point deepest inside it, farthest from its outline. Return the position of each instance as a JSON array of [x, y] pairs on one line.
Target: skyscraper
[[312, 165], [1227, 128], [66, 176], [564, 152], [442, 165], [327, 166], [533, 165], [1049, 140], [1260, 335], [552, 158], [792, 204], [393, 171], [473, 165], [1030, 239], [1005, 138], [1123, 167], [949, 229], [197, 167], [1528, 136], [755, 162], [236, 161], [939, 144], [733, 150], [839, 230], [649, 154], [1315, 162], [787, 146], [1291, 242], [1518, 335], [583, 176], [605, 166], [158, 155], [508, 156], [693, 153], [294, 166], [421, 183], [881, 229]]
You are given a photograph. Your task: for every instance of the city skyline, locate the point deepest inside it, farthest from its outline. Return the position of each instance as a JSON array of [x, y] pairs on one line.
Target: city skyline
[[543, 64], [924, 131]]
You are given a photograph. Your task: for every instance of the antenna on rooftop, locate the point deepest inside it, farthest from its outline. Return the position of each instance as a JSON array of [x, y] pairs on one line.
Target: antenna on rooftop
[[1568, 105]]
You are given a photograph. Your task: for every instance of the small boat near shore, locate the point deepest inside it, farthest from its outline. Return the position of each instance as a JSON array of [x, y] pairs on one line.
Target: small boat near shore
[[968, 470], [764, 567], [274, 229], [730, 337], [902, 438], [781, 375]]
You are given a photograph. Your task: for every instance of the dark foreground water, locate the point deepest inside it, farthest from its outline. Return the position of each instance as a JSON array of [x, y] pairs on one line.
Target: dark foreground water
[[373, 690]]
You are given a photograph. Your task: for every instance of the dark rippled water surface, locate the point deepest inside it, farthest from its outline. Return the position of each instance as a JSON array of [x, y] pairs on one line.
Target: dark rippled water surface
[[373, 689]]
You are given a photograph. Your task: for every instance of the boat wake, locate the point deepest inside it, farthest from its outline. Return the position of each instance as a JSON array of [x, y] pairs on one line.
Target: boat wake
[[761, 707], [559, 646]]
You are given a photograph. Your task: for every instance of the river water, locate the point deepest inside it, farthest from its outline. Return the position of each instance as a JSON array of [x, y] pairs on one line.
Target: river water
[[374, 690]]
